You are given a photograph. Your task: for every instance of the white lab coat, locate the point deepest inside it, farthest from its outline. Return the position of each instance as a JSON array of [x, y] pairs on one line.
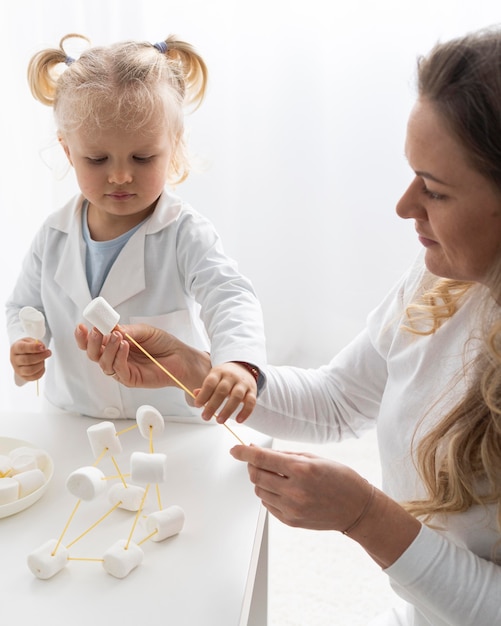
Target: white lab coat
[[172, 273]]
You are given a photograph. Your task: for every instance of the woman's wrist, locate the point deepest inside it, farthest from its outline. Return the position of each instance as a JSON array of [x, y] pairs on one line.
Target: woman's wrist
[[385, 530]]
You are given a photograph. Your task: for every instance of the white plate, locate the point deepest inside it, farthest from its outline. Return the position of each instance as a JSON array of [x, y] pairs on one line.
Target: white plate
[[6, 445]]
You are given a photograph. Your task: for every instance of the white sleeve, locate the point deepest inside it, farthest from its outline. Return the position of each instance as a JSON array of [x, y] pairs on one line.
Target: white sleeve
[[341, 399], [230, 309], [327, 404], [447, 583], [27, 290]]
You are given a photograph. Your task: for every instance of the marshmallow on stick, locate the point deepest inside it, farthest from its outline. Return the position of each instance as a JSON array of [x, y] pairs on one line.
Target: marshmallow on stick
[[33, 322], [103, 316]]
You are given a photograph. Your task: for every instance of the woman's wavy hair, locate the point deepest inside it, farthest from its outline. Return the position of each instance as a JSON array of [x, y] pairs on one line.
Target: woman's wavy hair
[[462, 81], [122, 85]]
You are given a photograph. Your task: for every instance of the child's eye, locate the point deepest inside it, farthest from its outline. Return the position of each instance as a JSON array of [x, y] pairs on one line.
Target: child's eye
[[143, 159], [96, 160]]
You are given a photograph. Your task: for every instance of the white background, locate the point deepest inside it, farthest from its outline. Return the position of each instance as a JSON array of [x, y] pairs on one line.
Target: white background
[[301, 142]]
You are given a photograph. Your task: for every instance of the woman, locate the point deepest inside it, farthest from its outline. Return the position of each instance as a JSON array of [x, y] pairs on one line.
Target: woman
[[426, 371]]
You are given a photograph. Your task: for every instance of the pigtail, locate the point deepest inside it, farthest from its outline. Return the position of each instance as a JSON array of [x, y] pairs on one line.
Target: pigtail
[[42, 74], [191, 70]]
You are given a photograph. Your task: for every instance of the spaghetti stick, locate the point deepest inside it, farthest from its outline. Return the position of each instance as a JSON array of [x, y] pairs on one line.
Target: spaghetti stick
[[66, 526], [178, 382], [94, 525], [141, 506]]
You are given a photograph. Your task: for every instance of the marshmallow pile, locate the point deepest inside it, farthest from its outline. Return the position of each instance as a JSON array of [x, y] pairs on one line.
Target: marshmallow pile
[[22, 473], [89, 482]]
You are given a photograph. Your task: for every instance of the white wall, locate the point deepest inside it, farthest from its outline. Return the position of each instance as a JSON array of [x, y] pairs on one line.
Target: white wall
[[301, 134]]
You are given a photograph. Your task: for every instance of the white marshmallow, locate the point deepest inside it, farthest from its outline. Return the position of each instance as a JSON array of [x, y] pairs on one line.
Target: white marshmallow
[[101, 315], [119, 561], [5, 465], [149, 420], [9, 490], [33, 322], [86, 482], [129, 497], [146, 468], [41, 456], [29, 481], [103, 436], [167, 522], [43, 563], [23, 463]]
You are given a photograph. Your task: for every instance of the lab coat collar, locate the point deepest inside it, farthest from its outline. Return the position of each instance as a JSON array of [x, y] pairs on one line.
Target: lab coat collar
[[126, 277]]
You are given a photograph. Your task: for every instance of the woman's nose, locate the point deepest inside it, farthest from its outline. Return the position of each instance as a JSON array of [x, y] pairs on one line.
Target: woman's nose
[[410, 205]]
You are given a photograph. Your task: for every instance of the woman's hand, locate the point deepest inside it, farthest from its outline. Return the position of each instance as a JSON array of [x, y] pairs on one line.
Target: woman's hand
[[117, 356], [307, 491]]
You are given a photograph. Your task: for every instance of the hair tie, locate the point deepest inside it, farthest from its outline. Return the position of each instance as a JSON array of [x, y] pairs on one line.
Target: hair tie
[[161, 46], [69, 60]]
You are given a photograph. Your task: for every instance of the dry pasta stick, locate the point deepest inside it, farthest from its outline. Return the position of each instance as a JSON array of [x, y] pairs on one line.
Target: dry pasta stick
[[178, 382]]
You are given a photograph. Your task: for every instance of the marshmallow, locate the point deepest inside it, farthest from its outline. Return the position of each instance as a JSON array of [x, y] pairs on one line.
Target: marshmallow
[[41, 456], [167, 522], [86, 482], [43, 563], [103, 436], [149, 421], [9, 490], [29, 481], [101, 315], [33, 322], [23, 463], [148, 468], [119, 561], [128, 497], [5, 465]]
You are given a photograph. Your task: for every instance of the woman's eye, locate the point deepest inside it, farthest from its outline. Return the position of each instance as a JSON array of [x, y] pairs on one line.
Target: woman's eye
[[433, 195]]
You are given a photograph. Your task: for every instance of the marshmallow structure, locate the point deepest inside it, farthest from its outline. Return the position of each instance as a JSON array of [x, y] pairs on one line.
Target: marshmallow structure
[[149, 421], [166, 523], [44, 563], [127, 497], [101, 314], [33, 322], [146, 468], [103, 436], [86, 482], [120, 560]]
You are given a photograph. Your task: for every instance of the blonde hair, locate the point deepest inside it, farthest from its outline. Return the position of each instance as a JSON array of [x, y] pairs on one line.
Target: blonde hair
[[122, 85], [459, 459]]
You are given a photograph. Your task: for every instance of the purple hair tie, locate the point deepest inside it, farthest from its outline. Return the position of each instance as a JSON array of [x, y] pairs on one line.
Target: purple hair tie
[[69, 60], [161, 46]]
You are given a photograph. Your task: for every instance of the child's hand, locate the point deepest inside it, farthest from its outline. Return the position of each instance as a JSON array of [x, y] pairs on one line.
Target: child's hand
[[225, 388], [27, 357]]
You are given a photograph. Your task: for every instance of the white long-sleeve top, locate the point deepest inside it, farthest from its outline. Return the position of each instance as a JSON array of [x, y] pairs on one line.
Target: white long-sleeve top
[[172, 273], [401, 384]]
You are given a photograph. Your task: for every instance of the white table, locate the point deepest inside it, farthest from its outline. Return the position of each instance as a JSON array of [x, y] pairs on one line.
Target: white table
[[214, 573]]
